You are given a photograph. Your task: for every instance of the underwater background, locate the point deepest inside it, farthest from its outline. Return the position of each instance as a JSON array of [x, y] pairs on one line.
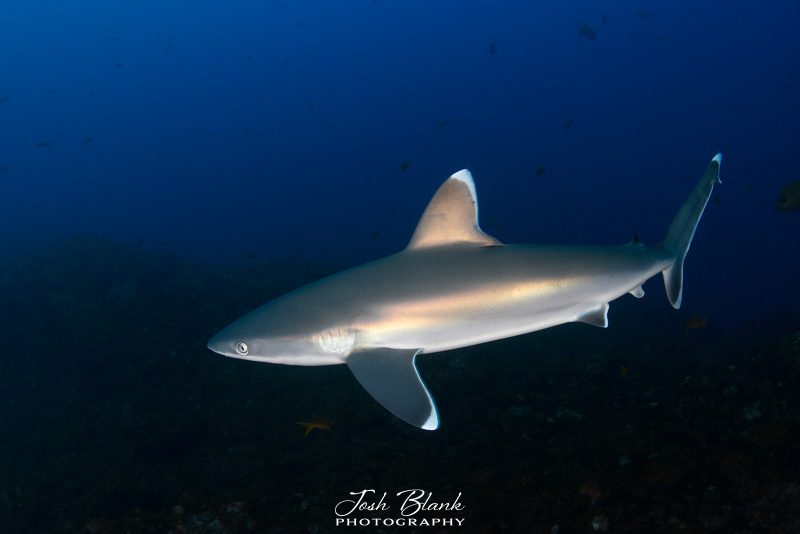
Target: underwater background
[[166, 166]]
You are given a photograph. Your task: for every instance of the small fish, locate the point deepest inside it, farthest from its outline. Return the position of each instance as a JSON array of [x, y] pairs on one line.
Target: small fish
[[318, 423], [43, 144], [87, 140], [569, 124], [539, 170], [694, 322], [118, 65], [587, 32], [404, 166], [444, 123], [492, 49], [789, 198], [375, 235], [605, 18], [4, 99], [624, 370], [3, 168]]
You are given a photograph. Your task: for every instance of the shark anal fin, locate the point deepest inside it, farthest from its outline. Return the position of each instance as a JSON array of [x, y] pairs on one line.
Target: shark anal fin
[[391, 377], [595, 317], [451, 216], [637, 292]]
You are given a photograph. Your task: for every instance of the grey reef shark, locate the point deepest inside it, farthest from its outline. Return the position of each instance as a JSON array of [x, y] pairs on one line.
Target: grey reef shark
[[453, 286]]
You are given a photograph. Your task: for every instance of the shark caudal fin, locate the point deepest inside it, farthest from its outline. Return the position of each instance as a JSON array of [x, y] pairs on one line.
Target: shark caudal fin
[[681, 231]]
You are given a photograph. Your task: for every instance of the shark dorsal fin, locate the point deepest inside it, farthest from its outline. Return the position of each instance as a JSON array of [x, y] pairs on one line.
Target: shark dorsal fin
[[452, 216]]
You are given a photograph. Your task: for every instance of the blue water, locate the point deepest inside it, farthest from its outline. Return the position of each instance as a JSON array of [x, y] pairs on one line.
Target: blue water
[[211, 155], [275, 128]]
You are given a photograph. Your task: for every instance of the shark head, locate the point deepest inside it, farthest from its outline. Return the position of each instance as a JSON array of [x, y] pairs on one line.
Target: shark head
[[279, 332]]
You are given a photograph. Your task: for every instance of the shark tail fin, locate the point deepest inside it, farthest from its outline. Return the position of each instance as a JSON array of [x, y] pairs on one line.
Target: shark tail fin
[[681, 231]]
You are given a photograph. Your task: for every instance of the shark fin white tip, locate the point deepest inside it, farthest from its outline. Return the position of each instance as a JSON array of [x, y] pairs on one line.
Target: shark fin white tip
[[433, 420], [465, 176]]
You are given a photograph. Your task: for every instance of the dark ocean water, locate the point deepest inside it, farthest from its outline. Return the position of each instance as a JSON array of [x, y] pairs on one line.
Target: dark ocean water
[[167, 166]]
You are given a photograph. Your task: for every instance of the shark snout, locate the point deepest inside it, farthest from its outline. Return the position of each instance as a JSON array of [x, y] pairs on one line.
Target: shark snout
[[227, 343], [214, 345]]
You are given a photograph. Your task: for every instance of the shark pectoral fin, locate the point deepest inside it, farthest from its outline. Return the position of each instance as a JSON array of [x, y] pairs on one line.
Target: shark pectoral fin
[[391, 377], [595, 317], [637, 292]]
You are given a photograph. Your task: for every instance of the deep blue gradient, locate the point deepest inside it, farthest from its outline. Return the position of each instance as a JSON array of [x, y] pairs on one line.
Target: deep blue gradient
[[222, 129]]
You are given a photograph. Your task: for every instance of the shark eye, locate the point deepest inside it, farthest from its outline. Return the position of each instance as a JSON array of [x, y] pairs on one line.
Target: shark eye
[[241, 348]]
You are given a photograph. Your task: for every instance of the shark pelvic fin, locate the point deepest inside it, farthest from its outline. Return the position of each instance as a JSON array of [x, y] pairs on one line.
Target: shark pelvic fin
[[596, 316], [391, 377], [637, 292], [452, 216]]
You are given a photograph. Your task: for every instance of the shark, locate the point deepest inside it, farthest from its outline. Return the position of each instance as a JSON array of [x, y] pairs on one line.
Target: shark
[[454, 286]]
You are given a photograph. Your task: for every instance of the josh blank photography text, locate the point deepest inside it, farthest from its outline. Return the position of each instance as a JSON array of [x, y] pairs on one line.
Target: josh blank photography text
[[409, 508]]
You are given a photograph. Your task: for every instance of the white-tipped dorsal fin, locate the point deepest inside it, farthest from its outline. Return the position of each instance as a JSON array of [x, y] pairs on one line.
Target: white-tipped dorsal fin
[[452, 216]]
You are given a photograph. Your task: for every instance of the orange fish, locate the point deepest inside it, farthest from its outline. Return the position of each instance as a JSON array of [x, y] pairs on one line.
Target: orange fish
[[695, 321], [318, 423]]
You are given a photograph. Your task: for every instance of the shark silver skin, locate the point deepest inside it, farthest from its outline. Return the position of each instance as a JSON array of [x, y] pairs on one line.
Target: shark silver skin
[[453, 286]]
